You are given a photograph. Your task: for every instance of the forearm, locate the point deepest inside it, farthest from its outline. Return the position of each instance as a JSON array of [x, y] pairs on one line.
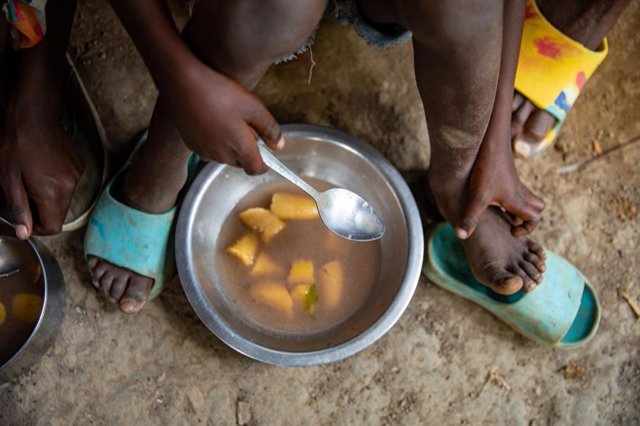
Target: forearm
[[498, 136], [41, 68], [151, 28], [511, 38]]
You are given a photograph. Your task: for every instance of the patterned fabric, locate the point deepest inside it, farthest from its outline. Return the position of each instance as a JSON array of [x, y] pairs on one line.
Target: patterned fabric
[[553, 68], [27, 19]]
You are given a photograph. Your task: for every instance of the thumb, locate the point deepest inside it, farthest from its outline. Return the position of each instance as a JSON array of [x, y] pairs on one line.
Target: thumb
[[470, 218], [267, 128], [19, 209]]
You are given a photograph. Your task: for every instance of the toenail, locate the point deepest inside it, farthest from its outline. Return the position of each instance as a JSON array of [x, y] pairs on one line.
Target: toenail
[[128, 305], [96, 284], [462, 234], [522, 148]]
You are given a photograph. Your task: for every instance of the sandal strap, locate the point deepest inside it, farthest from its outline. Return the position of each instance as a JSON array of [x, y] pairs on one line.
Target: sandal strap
[[132, 239]]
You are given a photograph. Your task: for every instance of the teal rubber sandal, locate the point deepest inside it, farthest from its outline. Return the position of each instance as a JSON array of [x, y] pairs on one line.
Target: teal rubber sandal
[[138, 241], [563, 311]]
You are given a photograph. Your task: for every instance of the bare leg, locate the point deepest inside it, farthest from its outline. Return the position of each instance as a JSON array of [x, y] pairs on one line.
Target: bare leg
[[239, 39], [585, 21], [457, 75]]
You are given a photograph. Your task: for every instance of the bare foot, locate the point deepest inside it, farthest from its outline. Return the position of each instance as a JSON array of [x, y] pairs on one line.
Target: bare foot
[[498, 259], [501, 261], [587, 22], [151, 185]]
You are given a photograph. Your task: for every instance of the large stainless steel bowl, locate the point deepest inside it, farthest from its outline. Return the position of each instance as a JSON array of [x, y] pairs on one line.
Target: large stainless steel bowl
[[337, 158], [50, 278]]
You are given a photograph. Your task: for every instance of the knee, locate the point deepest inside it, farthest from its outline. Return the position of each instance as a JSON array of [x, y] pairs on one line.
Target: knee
[[446, 23], [265, 30]]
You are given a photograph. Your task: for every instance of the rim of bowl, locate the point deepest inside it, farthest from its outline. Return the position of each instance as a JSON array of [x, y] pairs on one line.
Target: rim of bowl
[[219, 327], [45, 297]]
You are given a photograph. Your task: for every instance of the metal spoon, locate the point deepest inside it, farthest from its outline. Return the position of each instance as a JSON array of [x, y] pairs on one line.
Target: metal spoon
[[345, 213], [9, 260]]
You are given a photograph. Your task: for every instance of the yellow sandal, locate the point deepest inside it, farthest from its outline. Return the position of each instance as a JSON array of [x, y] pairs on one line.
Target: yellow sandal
[[552, 70]]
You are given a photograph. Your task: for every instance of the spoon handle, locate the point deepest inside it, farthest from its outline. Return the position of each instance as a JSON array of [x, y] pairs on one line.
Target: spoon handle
[[277, 166]]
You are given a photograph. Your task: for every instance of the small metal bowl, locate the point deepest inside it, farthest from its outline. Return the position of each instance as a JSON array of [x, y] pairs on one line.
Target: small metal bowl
[[47, 275], [314, 152]]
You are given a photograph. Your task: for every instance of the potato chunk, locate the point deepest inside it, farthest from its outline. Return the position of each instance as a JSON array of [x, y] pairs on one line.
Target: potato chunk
[[3, 313], [305, 296], [274, 295], [262, 221], [301, 272], [331, 283], [245, 249], [26, 307], [293, 206], [264, 266]]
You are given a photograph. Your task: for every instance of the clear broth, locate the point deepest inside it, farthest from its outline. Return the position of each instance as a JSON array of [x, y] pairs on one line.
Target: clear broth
[[299, 240], [15, 332]]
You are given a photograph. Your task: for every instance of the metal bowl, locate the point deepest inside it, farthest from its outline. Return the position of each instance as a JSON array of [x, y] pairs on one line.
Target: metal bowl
[[48, 276], [342, 160]]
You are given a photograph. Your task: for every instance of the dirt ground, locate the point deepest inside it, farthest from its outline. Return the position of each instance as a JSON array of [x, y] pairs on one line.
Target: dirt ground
[[447, 361]]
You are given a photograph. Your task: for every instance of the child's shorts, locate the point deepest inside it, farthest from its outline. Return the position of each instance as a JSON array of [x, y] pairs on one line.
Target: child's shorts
[[27, 20], [347, 13]]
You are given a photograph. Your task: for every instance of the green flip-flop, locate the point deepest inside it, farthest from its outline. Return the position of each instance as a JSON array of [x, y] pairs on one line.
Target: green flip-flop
[[132, 239], [563, 311]]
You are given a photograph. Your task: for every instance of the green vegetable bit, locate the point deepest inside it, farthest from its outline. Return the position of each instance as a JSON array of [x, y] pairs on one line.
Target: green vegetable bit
[[310, 300]]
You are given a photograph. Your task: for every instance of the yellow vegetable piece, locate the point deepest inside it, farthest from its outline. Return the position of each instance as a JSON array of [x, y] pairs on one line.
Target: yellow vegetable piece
[[264, 266], [301, 272], [274, 295], [245, 249], [331, 283], [293, 206], [263, 221], [26, 307], [3, 314]]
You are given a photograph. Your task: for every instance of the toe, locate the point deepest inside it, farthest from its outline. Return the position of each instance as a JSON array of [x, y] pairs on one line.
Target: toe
[[135, 296], [518, 99], [535, 261], [503, 281], [99, 270], [536, 249], [107, 281], [119, 286], [537, 126], [520, 116], [92, 262], [523, 112], [527, 282], [532, 271]]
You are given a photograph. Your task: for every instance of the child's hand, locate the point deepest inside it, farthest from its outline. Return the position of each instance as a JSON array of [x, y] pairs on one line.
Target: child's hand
[[220, 120], [39, 168], [494, 181]]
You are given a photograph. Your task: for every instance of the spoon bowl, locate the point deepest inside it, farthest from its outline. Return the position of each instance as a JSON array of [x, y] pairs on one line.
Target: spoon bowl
[[349, 215], [12, 251], [343, 212]]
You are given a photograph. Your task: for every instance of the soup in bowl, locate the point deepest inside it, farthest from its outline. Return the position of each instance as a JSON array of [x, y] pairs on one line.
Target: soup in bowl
[[322, 298]]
